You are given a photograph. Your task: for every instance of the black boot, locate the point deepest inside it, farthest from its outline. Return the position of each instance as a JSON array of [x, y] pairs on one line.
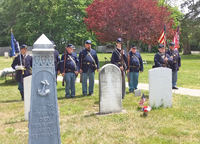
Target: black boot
[[22, 95]]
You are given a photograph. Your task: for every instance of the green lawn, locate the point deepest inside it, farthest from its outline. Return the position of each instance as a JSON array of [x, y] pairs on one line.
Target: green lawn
[[188, 76], [79, 123]]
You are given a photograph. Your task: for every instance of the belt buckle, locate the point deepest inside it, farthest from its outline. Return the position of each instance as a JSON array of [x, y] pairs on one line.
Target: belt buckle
[[88, 63]]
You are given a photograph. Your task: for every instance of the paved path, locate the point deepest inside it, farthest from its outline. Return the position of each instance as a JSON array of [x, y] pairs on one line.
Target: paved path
[[183, 91]]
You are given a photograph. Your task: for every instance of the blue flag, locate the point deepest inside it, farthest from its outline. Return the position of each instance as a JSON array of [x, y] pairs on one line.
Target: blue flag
[[14, 46]]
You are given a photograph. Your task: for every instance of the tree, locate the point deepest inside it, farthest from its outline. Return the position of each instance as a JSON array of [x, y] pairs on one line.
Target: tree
[[139, 20], [190, 25]]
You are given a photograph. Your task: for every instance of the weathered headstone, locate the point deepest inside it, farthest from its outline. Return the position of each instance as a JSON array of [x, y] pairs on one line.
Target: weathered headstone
[[27, 95], [6, 54], [137, 92], [160, 87], [110, 89], [44, 118]]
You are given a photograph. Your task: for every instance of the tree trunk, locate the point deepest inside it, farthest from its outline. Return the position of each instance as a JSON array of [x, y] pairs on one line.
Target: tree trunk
[[149, 47], [186, 49]]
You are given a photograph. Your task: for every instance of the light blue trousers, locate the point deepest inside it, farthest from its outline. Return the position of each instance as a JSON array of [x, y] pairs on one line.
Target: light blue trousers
[[174, 78], [20, 86], [91, 82], [70, 79], [133, 83]]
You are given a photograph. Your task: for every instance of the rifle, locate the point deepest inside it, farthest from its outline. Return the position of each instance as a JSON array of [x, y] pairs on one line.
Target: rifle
[[81, 63], [165, 46], [128, 59], [63, 82], [122, 60]]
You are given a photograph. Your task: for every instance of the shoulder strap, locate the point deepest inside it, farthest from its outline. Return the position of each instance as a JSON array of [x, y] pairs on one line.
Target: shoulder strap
[[137, 59], [92, 58], [72, 61]]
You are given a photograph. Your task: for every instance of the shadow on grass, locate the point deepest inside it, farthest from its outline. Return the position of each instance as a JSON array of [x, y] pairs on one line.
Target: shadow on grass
[[77, 96], [14, 122], [10, 101], [9, 82]]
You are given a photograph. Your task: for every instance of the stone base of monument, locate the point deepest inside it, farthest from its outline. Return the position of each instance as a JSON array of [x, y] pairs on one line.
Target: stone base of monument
[[99, 114], [137, 92]]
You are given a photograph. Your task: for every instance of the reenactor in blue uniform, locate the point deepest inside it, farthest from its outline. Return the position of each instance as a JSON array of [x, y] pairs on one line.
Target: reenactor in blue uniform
[[69, 71], [160, 58], [174, 54], [89, 61], [56, 60], [116, 60], [136, 65], [22, 64]]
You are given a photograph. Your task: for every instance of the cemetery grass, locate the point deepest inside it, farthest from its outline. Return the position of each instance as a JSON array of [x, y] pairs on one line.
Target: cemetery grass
[[188, 75], [80, 124]]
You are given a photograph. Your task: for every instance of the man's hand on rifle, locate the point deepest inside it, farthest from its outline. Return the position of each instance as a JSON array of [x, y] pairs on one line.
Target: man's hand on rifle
[[122, 52], [63, 74], [58, 72], [128, 71], [80, 71], [121, 68], [166, 59], [172, 57], [76, 72], [97, 70]]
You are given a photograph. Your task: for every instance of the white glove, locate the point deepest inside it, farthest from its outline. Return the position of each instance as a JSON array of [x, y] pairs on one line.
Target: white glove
[[19, 67]]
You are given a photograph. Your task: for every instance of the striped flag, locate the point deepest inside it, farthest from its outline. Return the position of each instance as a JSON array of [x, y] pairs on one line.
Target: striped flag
[[176, 39], [142, 100], [162, 38]]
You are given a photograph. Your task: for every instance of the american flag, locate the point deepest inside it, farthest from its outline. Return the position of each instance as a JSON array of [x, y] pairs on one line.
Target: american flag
[[142, 100], [176, 39], [162, 38]]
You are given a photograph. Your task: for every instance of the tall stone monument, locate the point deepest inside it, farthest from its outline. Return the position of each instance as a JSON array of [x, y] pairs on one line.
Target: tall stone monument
[[110, 89], [44, 118], [160, 87]]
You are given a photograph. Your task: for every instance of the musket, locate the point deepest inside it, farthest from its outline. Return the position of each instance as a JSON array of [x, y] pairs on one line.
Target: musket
[[165, 45], [63, 82], [122, 60], [128, 59], [81, 63]]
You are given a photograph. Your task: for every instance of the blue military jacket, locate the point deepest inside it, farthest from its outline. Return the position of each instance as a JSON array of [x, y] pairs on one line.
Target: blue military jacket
[[26, 62], [159, 60], [56, 60], [136, 63], [88, 63], [70, 65], [116, 58], [176, 60]]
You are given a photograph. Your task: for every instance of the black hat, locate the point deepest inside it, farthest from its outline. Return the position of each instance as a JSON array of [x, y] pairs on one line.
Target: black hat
[[172, 43], [88, 42], [133, 46], [70, 46], [119, 40], [160, 45], [23, 46]]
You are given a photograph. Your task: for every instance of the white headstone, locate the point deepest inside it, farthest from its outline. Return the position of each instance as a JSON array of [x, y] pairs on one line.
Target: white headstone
[[160, 87], [137, 92], [6, 54], [27, 95], [110, 89]]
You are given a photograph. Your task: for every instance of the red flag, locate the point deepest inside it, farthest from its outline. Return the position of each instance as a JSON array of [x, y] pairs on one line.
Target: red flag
[[162, 38], [142, 100], [176, 39]]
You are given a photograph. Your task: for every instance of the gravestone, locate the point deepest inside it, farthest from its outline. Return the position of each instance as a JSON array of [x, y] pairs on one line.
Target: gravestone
[[44, 118], [160, 87], [137, 92], [6, 54], [110, 89], [27, 95]]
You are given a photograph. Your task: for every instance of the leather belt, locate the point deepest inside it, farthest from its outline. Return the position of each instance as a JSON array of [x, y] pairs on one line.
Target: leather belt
[[88, 63], [134, 67], [69, 70]]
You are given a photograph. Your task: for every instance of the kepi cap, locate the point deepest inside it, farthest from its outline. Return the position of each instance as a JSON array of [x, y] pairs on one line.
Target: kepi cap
[[172, 43], [23, 46], [70, 46], [88, 42], [119, 40], [53, 43], [160, 45], [133, 46]]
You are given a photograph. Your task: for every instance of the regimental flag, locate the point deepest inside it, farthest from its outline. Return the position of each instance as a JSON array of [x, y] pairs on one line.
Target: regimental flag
[[176, 39], [162, 38], [14, 49], [142, 100]]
